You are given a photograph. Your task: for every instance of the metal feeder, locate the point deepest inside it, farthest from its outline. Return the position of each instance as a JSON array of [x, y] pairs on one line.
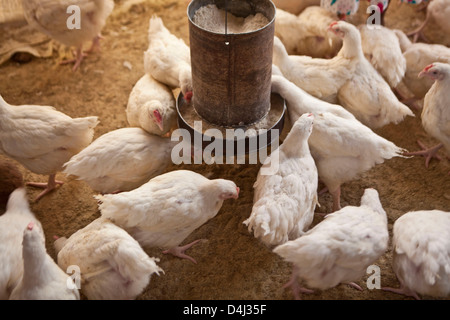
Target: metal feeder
[[231, 75]]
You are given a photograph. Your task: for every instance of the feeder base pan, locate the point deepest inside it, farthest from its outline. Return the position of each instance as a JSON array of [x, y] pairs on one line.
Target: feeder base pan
[[258, 135]]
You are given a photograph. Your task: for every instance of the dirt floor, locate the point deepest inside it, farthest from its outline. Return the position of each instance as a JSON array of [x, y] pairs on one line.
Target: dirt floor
[[232, 264]]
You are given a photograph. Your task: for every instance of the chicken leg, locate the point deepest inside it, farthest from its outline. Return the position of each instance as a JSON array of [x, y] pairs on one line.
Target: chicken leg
[[412, 102], [95, 44], [403, 291], [355, 286], [179, 251], [428, 153], [48, 187], [294, 285], [79, 55], [336, 199], [418, 32]]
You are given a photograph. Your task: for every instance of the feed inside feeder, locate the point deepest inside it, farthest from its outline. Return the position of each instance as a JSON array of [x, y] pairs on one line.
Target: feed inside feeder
[[231, 44]]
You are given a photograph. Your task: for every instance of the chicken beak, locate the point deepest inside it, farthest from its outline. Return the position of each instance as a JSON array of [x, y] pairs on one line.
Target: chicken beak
[[421, 74], [237, 193], [160, 125]]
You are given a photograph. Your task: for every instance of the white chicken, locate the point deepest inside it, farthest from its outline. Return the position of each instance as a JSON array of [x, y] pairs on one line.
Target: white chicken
[[284, 201], [168, 58], [382, 49], [306, 34], [341, 146], [151, 106], [12, 223], [294, 6], [42, 278], [439, 11], [436, 112], [418, 56], [168, 208], [307, 73], [112, 265], [42, 139], [53, 17], [366, 94], [421, 245], [138, 157], [340, 248]]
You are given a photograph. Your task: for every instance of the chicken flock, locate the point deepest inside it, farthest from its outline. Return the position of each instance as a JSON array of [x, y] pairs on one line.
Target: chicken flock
[[336, 96]]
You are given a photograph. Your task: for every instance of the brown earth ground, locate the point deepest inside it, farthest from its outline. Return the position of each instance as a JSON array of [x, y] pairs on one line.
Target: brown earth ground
[[232, 264]]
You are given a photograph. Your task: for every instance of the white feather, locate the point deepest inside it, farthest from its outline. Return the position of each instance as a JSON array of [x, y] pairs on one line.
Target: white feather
[[340, 248], [137, 157], [284, 202], [113, 265], [421, 243]]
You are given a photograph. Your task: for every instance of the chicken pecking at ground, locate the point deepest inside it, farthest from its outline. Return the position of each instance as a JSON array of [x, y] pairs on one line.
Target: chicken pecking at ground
[[421, 246], [436, 112], [439, 11], [52, 17], [42, 278], [341, 146], [168, 58], [112, 265], [167, 209], [151, 106], [284, 201], [42, 139], [138, 157], [12, 224], [340, 248], [306, 34]]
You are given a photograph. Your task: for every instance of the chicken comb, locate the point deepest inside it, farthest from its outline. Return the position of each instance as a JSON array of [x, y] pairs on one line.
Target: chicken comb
[[30, 226], [333, 23], [428, 67], [157, 115], [188, 96], [380, 6]]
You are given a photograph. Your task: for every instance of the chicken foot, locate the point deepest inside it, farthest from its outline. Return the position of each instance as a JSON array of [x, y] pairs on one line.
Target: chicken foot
[[179, 251], [48, 187], [79, 56], [403, 291], [428, 153], [418, 32], [295, 286]]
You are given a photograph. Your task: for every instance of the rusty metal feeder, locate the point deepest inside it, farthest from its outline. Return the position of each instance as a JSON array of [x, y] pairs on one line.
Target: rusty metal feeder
[[231, 75]]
